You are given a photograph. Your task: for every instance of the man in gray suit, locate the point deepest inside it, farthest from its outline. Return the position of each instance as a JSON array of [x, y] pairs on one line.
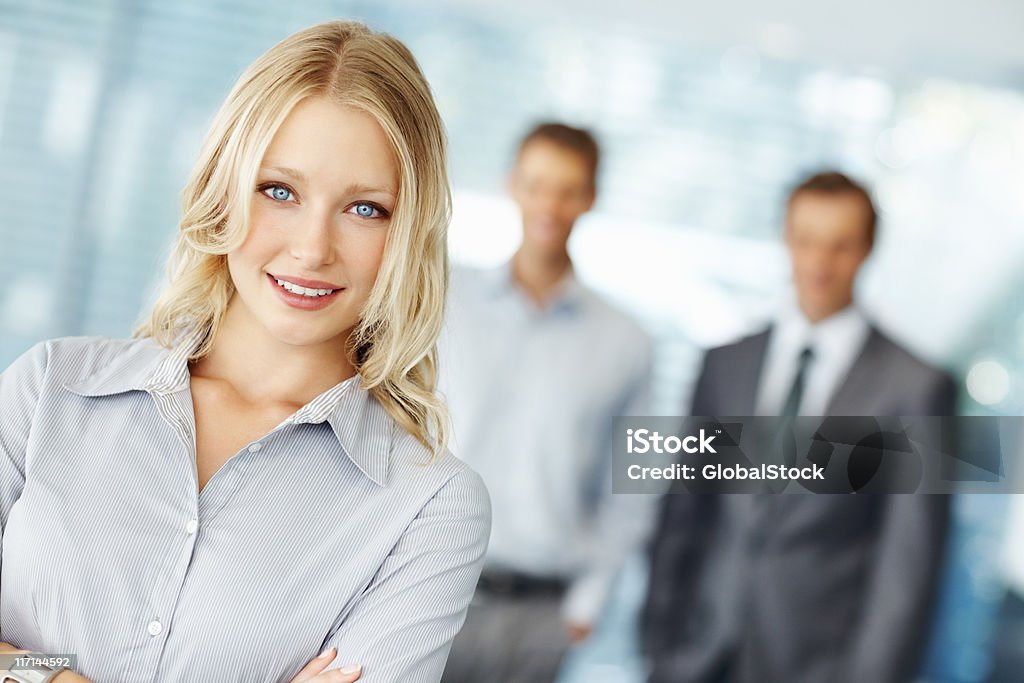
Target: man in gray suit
[[815, 588]]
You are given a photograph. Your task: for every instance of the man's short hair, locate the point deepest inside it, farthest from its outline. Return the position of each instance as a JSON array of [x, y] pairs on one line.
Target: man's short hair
[[835, 183], [576, 140]]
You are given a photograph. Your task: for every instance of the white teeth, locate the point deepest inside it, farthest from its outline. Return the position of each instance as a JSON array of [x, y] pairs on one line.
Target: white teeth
[[304, 291]]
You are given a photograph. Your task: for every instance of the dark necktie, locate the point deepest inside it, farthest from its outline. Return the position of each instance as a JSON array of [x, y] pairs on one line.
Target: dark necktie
[[796, 392]]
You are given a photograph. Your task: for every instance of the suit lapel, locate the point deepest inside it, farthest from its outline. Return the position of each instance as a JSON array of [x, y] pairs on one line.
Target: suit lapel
[[855, 393], [747, 372]]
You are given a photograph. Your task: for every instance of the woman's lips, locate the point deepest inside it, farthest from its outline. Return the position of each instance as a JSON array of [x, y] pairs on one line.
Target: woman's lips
[[305, 282], [302, 300]]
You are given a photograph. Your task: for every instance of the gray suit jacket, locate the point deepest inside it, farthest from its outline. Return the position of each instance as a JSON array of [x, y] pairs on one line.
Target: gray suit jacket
[[799, 589]]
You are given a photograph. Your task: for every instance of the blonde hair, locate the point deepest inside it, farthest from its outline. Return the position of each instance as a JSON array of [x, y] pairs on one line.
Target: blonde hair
[[394, 345]]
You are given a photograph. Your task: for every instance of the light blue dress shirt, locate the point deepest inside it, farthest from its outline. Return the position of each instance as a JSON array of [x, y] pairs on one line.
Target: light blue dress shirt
[[533, 394], [331, 530]]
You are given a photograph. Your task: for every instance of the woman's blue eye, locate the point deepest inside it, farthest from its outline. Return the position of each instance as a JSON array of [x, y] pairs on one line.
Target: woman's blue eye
[[365, 210], [281, 194]]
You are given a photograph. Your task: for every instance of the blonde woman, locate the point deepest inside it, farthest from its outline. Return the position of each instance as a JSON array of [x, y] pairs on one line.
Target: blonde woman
[[260, 476]]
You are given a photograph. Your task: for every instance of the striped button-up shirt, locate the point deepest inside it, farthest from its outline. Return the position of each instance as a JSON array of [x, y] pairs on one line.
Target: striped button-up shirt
[[333, 529]]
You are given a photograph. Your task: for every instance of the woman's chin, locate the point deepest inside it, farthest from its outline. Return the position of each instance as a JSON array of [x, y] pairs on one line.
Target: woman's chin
[[306, 336]]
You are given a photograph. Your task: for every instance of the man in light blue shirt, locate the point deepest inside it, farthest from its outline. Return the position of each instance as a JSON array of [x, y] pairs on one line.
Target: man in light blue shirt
[[536, 367]]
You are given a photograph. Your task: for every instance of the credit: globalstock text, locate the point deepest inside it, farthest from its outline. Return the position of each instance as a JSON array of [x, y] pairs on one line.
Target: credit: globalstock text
[[726, 472]]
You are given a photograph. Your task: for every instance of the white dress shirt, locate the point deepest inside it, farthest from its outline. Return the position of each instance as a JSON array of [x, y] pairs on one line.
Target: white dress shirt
[[533, 394], [836, 342]]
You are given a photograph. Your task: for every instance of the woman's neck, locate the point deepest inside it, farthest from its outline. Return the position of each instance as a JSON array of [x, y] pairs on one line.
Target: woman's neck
[[262, 369]]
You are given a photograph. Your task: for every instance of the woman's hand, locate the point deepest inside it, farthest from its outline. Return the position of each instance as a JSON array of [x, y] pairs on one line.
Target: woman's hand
[[8, 649], [311, 672]]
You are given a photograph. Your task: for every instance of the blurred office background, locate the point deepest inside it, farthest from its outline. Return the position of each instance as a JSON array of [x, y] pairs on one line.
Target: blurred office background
[[707, 113]]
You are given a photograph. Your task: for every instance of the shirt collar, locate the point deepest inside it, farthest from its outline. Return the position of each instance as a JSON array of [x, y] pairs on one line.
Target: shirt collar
[[835, 331], [142, 365], [363, 428], [570, 297]]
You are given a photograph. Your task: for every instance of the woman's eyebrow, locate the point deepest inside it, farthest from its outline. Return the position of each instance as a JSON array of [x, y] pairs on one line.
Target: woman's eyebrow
[[298, 175], [361, 188]]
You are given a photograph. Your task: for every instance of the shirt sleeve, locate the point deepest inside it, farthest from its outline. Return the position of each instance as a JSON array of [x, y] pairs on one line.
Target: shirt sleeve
[[402, 626], [20, 386], [622, 521]]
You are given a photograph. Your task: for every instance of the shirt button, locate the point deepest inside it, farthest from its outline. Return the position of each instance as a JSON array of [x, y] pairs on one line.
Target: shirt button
[[154, 628], [191, 526], [256, 448]]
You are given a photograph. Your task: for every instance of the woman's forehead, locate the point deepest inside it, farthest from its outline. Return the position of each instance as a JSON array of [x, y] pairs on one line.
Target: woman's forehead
[[323, 141]]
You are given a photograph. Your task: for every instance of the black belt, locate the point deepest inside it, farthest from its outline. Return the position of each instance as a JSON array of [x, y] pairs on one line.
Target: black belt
[[518, 585]]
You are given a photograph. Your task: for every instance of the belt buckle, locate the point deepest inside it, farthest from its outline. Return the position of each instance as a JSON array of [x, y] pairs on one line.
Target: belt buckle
[[505, 584], [500, 584]]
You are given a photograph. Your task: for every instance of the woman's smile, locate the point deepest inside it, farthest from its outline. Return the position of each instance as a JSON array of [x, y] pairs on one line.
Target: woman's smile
[[308, 296]]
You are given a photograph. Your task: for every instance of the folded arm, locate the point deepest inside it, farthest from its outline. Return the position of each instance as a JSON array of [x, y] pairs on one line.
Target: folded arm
[[402, 626]]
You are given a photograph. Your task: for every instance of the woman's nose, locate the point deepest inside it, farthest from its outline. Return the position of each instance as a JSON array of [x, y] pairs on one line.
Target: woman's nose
[[312, 243]]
